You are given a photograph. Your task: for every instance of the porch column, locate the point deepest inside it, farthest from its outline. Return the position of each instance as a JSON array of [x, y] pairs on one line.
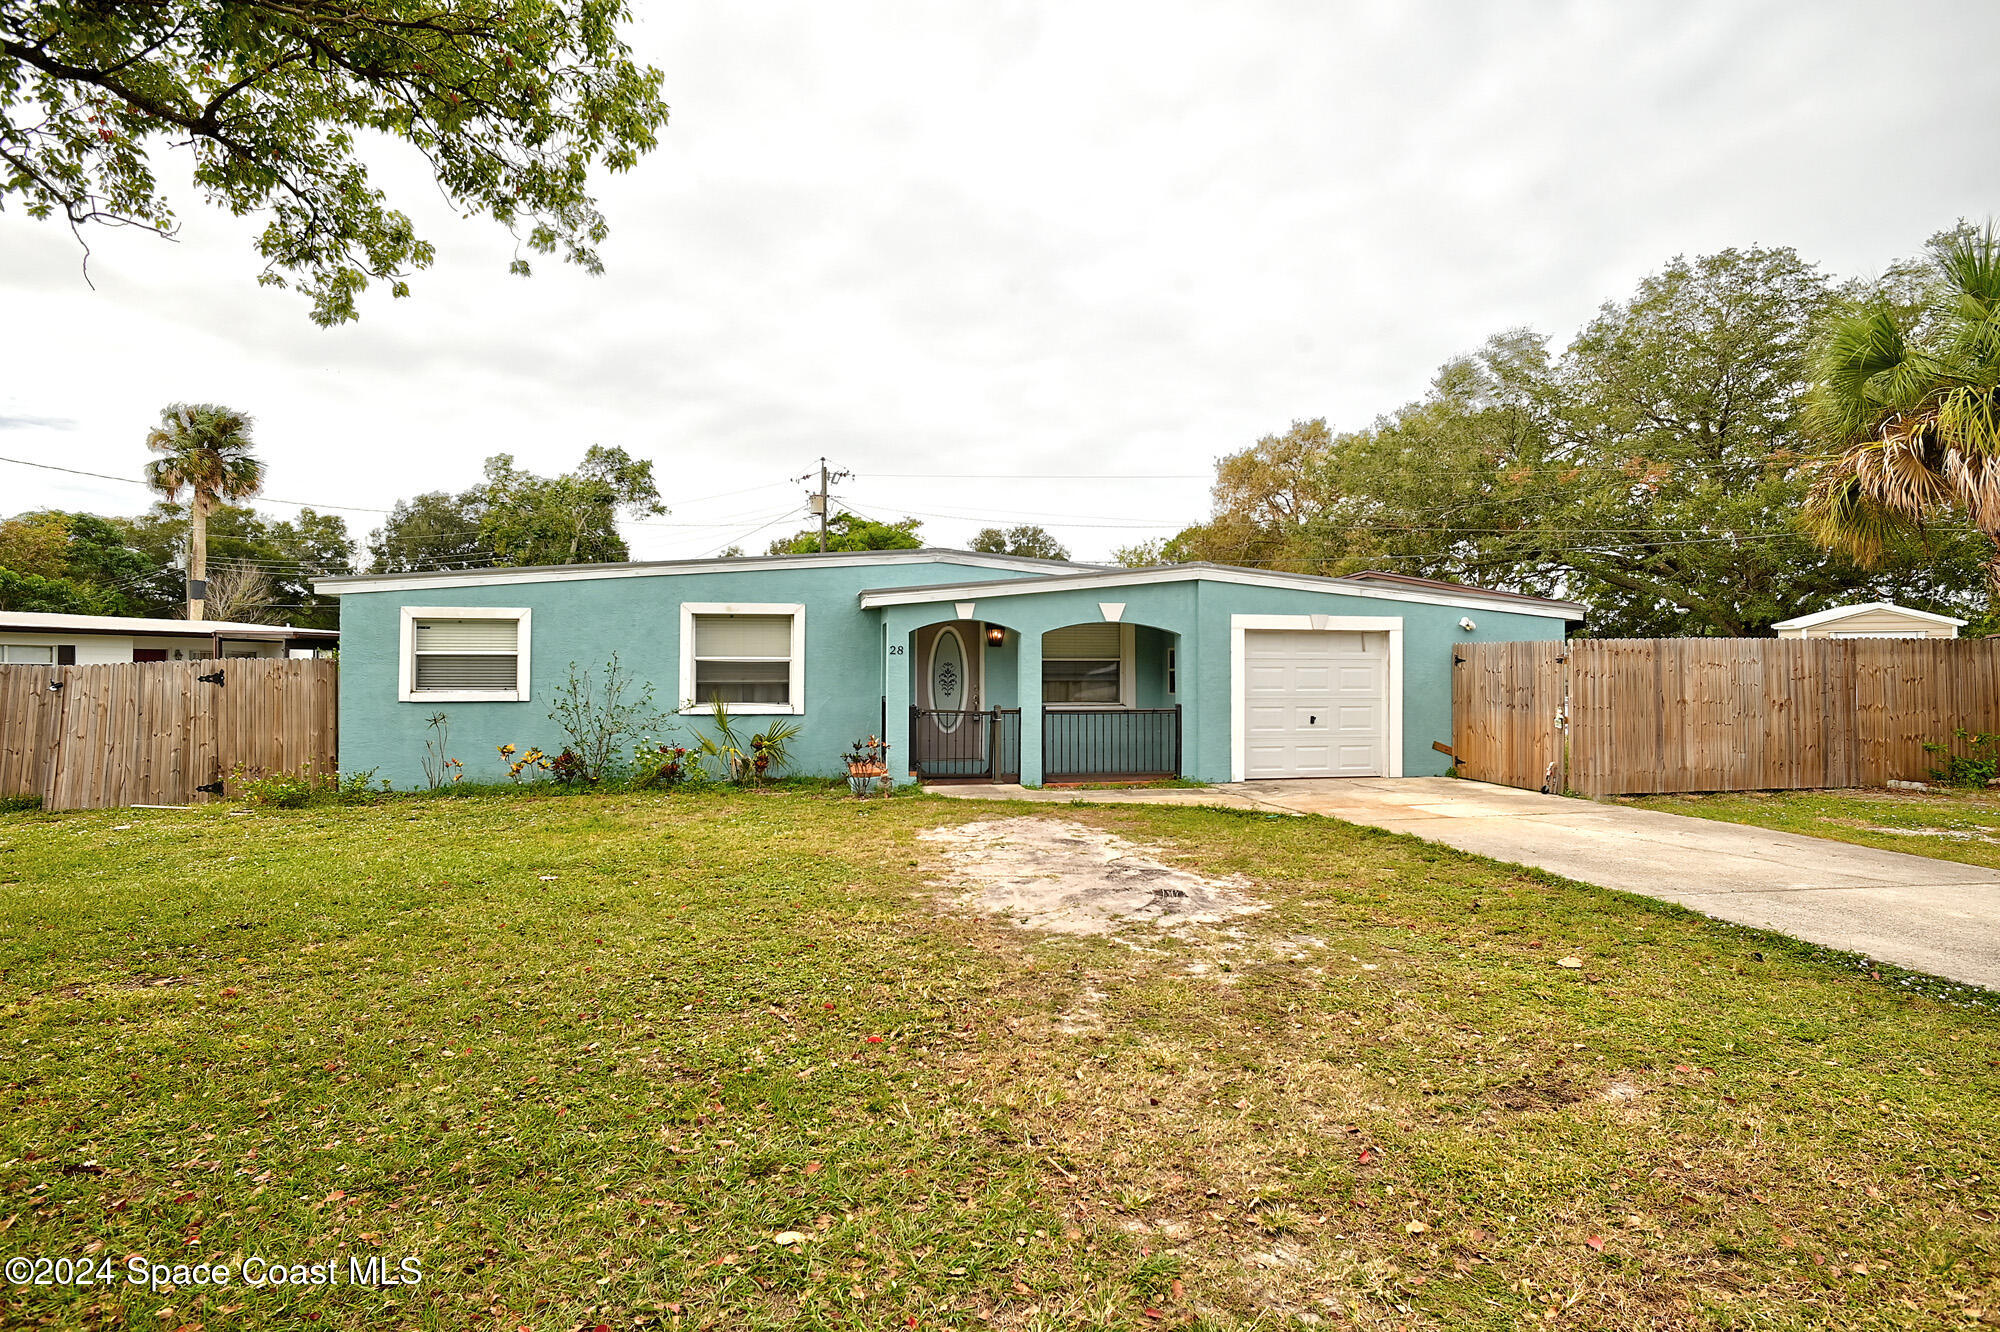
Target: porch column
[[895, 650], [1028, 662], [1187, 667]]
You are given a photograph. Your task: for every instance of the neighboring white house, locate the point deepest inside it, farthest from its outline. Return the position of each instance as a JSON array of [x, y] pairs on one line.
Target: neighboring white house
[[1870, 619], [40, 639]]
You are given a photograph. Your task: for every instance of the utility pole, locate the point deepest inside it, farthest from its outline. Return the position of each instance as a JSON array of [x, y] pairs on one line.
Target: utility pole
[[820, 504]]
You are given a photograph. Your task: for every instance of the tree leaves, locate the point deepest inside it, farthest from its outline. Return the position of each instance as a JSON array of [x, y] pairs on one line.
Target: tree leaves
[[1652, 470], [515, 517], [511, 106]]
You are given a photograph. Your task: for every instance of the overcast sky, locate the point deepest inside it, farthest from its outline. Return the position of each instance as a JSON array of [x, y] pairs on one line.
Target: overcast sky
[[963, 250]]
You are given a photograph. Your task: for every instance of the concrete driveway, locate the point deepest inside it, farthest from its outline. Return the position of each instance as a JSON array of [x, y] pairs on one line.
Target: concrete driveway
[[1936, 916], [1929, 915]]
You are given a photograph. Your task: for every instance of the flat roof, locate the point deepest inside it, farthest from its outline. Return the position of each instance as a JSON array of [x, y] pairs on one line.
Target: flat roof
[[49, 622]]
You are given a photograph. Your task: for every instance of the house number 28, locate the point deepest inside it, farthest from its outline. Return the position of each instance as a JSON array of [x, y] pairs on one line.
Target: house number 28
[[895, 649]]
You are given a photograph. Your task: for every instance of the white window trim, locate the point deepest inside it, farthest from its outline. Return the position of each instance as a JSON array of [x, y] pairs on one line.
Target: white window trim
[[1127, 685], [1239, 625], [691, 706], [406, 656]]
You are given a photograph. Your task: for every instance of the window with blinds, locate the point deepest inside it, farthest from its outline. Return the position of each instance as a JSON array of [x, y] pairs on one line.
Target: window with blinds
[[465, 656], [28, 654], [743, 659], [1083, 663]]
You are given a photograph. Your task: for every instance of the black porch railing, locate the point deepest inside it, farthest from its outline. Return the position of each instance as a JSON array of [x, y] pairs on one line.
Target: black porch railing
[[947, 746], [1111, 744]]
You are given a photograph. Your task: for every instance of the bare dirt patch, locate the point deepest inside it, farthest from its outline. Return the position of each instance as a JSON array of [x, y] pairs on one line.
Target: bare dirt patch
[[1065, 877], [1536, 1092]]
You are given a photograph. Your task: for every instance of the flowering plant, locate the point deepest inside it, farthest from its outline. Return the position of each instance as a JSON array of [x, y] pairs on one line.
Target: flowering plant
[[664, 766], [519, 761], [868, 757]]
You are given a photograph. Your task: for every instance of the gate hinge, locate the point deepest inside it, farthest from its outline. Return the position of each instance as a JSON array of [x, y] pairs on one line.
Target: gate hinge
[[211, 788], [215, 678]]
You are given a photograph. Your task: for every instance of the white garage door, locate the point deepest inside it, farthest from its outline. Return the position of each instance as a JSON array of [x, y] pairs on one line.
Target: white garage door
[[1315, 704]]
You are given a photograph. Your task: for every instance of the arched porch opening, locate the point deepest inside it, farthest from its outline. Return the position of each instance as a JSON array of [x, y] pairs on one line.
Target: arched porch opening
[[965, 709], [1110, 703]]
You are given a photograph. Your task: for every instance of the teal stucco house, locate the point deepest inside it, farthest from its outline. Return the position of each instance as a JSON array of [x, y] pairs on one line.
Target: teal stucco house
[[975, 667]]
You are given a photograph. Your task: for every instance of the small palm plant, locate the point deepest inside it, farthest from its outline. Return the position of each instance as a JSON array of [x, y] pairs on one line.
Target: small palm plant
[[752, 758], [1909, 409], [204, 449]]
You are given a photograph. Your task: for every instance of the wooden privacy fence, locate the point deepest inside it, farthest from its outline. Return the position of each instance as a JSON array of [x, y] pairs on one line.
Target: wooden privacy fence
[[160, 732], [1627, 716]]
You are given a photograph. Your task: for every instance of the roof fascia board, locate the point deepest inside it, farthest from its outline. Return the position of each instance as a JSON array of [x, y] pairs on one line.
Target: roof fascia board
[[192, 631], [1836, 614], [1015, 587], [574, 573]]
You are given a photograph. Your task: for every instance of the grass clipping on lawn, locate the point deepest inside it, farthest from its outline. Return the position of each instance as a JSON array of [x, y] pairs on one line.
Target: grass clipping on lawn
[[718, 1060]]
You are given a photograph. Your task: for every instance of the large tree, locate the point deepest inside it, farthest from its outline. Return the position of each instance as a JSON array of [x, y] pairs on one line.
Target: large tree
[[1265, 500], [571, 518], [205, 450], [265, 567], [1022, 539], [1652, 470], [850, 531], [72, 562], [511, 105], [1906, 407], [516, 517]]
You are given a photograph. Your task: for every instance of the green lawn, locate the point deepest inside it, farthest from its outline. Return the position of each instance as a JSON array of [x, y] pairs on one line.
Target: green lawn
[[1949, 825], [585, 1058]]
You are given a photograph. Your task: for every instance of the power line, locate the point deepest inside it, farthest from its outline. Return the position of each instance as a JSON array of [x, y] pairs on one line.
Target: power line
[[745, 536], [130, 481], [1041, 476]]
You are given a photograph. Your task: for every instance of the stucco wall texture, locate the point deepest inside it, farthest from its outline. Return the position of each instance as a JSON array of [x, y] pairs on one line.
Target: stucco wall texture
[[859, 662]]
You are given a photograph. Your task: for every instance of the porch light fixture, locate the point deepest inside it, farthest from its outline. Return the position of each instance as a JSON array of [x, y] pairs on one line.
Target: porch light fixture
[[995, 635]]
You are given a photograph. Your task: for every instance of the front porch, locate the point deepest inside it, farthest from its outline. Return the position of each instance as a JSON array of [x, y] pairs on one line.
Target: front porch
[[992, 703], [1095, 745]]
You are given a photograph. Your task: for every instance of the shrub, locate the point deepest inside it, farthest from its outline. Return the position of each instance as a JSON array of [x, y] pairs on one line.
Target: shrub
[[568, 769], [663, 767], [1971, 758], [19, 804], [599, 719]]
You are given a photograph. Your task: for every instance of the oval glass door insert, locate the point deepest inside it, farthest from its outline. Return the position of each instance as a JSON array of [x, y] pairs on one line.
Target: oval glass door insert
[[948, 682]]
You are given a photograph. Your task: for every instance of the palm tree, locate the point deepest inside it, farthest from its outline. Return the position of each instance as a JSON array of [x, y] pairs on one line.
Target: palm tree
[[1908, 406], [206, 450]]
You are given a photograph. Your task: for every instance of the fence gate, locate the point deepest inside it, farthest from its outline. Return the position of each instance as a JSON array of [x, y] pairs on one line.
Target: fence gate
[[1508, 707], [161, 733], [952, 746]]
